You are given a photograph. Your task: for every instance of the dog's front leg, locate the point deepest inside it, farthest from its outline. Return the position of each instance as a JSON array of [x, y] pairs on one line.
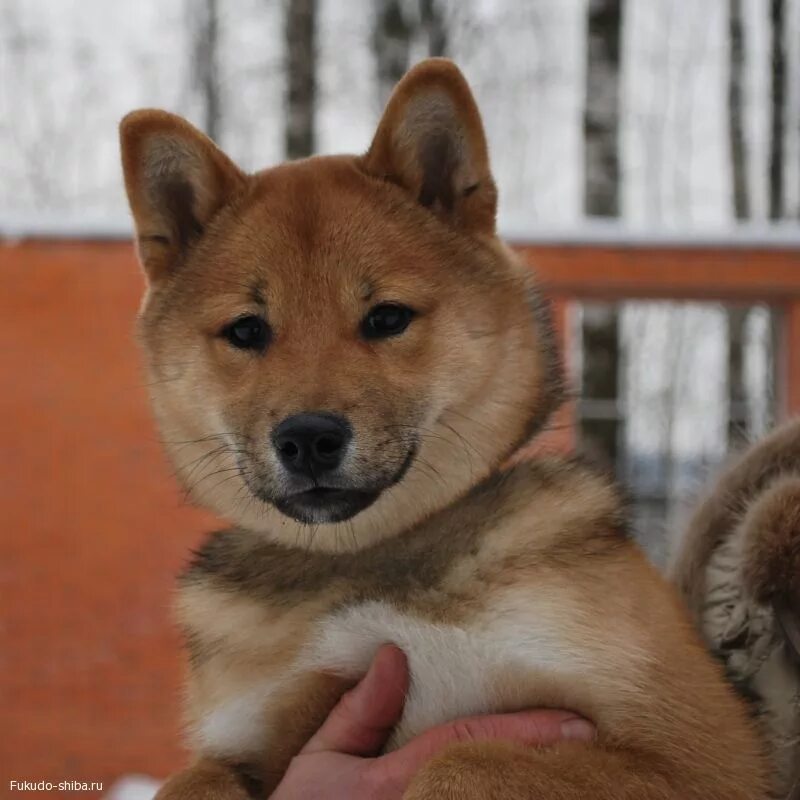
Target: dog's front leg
[[479, 771], [293, 717], [206, 780]]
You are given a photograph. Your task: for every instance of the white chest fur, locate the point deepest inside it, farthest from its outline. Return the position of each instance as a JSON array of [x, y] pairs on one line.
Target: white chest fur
[[455, 672]]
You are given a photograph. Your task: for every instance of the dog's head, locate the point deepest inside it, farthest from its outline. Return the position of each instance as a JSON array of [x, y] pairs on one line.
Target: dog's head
[[338, 345]]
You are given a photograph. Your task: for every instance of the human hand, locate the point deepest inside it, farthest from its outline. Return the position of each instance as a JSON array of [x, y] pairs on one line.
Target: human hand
[[342, 760]]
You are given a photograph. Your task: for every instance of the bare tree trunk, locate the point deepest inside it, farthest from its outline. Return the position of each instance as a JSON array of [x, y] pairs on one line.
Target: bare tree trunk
[[434, 23], [601, 114], [301, 83], [391, 43], [737, 390], [741, 194], [205, 55], [737, 315], [601, 434], [777, 18], [398, 24], [601, 359]]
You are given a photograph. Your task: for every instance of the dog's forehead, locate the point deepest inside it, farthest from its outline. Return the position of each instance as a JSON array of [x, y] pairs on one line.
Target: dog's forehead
[[314, 202], [321, 225]]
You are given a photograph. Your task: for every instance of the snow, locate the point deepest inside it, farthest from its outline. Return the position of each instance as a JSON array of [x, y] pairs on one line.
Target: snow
[[78, 67], [133, 787], [586, 233]]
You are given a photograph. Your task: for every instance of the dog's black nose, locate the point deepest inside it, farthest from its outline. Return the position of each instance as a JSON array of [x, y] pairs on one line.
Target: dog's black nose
[[309, 444]]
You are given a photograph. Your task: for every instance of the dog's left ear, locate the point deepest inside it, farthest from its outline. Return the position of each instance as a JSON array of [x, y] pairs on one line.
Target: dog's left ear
[[430, 141]]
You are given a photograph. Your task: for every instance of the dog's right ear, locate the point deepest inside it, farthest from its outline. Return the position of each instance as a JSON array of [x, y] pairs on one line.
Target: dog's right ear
[[177, 179]]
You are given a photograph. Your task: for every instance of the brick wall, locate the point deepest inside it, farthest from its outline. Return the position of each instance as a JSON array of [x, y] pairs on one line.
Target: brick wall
[[93, 529]]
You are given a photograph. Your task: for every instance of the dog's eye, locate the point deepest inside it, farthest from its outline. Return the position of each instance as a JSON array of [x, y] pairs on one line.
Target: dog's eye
[[247, 333], [387, 319]]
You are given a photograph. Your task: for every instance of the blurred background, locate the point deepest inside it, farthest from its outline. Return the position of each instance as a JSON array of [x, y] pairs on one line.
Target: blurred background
[[648, 158]]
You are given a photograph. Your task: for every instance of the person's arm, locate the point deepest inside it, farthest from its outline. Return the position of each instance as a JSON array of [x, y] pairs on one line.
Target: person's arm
[[342, 760]]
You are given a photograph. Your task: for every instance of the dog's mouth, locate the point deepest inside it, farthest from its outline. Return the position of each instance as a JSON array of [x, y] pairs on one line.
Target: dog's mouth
[[328, 503], [325, 504]]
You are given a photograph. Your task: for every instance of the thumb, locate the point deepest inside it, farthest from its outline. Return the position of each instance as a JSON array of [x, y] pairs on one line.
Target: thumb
[[363, 718]]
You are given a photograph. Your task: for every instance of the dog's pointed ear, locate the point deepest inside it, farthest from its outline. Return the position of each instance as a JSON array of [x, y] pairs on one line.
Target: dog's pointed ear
[[430, 141], [177, 179]]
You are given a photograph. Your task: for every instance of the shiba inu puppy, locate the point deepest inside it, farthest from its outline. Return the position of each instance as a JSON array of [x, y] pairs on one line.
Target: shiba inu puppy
[[343, 355], [738, 567]]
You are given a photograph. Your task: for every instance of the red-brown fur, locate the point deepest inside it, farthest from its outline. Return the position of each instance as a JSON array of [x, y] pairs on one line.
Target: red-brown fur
[[455, 542]]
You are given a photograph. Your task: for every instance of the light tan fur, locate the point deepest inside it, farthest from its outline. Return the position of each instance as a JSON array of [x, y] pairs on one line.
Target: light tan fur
[[507, 588], [738, 567]]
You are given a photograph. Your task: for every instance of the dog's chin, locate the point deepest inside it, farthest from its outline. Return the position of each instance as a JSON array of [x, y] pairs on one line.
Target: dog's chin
[[325, 505]]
